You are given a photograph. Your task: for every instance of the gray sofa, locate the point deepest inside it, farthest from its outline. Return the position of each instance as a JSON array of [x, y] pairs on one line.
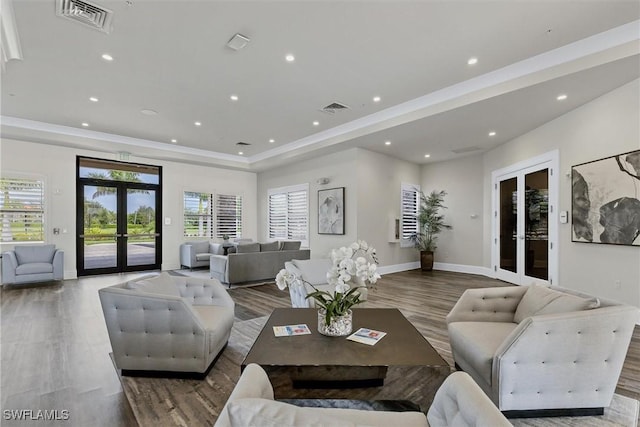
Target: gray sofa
[[541, 349], [166, 323], [32, 263], [255, 261], [458, 402], [196, 254]]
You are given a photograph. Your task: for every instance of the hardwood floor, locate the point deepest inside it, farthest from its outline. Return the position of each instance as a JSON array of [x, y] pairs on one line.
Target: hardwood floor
[[55, 348]]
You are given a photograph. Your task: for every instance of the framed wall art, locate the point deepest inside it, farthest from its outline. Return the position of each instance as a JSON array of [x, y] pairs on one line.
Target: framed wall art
[[605, 200], [331, 211]]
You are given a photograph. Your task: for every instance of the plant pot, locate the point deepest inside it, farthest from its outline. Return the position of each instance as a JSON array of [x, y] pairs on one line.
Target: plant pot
[[338, 326], [426, 260]]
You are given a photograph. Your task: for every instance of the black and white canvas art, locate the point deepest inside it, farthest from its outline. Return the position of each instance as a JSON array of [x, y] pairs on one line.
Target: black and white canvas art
[[606, 200], [331, 211]]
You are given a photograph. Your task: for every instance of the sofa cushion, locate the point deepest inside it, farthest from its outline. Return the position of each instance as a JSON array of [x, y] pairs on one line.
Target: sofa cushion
[[161, 284], [314, 270], [478, 352], [245, 248], [34, 268], [216, 249], [203, 256], [293, 245], [34, 253], [264, 412], [268, 247], [540, 300], [199, 247]]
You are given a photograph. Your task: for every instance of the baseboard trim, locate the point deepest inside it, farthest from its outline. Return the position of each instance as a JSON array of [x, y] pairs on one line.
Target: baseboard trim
[[461, 268], [396, 268]]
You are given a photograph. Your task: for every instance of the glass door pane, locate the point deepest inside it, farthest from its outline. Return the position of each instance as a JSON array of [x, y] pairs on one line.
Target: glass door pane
[[509, 224], [141, 227], [536, 217], [99, 233]]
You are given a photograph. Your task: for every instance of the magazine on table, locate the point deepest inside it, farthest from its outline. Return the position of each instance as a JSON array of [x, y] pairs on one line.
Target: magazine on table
[[367, 336], [290, 330]]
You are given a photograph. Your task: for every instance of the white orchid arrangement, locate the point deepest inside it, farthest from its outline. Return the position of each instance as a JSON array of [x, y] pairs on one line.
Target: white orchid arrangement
[[349, 266]]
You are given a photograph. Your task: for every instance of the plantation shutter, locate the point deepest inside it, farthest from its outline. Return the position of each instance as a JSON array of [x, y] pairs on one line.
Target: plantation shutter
[[409, 214], [228, 215], [22, 210], [289, 213], [198, 214]]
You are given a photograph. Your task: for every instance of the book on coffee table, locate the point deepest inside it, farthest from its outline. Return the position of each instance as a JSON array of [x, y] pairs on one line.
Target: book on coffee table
[[367, 336], [289, 330]]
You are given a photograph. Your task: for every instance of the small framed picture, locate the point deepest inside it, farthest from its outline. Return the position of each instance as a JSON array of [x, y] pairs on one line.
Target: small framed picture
[[331, 211]]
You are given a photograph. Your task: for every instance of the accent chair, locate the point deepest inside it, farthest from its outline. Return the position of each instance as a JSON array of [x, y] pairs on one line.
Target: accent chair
[[32, 263]]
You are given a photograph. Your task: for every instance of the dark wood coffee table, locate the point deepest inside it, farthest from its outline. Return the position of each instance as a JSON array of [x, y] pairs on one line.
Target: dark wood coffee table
[[402, 365]]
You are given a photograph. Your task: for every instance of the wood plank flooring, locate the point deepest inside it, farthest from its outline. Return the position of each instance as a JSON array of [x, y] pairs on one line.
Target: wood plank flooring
[[55, 347]]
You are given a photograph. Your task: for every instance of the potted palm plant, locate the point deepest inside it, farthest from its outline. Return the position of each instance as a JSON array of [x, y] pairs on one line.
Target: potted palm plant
[[430, 223]]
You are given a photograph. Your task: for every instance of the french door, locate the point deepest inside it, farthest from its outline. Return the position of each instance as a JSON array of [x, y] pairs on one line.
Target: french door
[[118, 218], [525, 222]]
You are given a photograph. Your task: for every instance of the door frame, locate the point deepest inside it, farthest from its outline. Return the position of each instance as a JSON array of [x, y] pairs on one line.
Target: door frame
[[121, 240], [550, 160]]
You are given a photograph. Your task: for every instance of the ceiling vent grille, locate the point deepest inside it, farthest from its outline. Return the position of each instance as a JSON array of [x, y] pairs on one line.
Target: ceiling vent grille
[[86, 13], [242, 144], [465, 150], [333, 108]]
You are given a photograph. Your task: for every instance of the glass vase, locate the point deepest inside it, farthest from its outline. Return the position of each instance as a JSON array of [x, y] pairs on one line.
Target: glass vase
[[338, 326]]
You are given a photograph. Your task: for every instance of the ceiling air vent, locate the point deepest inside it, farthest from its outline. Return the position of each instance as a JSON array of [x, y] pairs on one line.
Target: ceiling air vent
[[333, 107], [242, 144], [465, 150], [86, 13]]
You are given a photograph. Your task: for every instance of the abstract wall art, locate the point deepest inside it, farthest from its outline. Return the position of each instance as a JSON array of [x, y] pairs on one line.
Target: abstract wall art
[[605, 200], [331, 211]]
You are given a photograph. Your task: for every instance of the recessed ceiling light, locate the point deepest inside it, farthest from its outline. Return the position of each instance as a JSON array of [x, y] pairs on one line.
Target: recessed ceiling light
[[427, 155], [93, 99], [387, 143], [561, 97], [197, 123], [85, 124], [107, 57], [472, 61], [174, 140], [234, 97], [240, 152], [376, 99], [492, 133], [316, 123], [148, 112], [290, 58], [272, 140]]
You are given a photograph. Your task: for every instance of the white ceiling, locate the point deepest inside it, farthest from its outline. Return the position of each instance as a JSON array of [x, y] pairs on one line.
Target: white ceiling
[[170, 56]]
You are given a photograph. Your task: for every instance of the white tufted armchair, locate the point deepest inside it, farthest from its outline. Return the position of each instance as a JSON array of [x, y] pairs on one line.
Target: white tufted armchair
[[167, 324], [550, 350]]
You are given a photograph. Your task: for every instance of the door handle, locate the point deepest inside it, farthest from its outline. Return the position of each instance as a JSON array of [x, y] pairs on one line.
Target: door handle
[[521, 237]]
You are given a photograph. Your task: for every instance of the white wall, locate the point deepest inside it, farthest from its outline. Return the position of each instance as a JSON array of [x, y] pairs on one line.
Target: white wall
[[604, 127], [372, 194], [58, 167], [379, 181], [462, 180]]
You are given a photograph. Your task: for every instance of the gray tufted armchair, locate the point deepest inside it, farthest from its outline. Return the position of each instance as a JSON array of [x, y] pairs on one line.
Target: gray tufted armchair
[[167, 324], [550, 350]]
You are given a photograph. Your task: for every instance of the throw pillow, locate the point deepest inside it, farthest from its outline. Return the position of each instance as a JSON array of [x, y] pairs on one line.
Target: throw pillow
[[161, 284], [269, 247], [542, 300], [245, 248], [253, 411], [291, 246]]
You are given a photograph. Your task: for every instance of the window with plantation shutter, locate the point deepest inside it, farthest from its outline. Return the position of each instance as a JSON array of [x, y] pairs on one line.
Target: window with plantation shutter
[[198, 214], [228, 216], [409, 213], [289, 213], [22, 209]]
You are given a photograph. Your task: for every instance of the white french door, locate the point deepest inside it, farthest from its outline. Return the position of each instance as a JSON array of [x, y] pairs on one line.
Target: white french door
[[525, 221]]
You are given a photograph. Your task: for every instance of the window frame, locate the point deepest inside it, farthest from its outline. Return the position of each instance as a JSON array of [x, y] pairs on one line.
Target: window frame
[[406, 223], [237, 234], [288, 191], [210, 215], [8, 175]]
